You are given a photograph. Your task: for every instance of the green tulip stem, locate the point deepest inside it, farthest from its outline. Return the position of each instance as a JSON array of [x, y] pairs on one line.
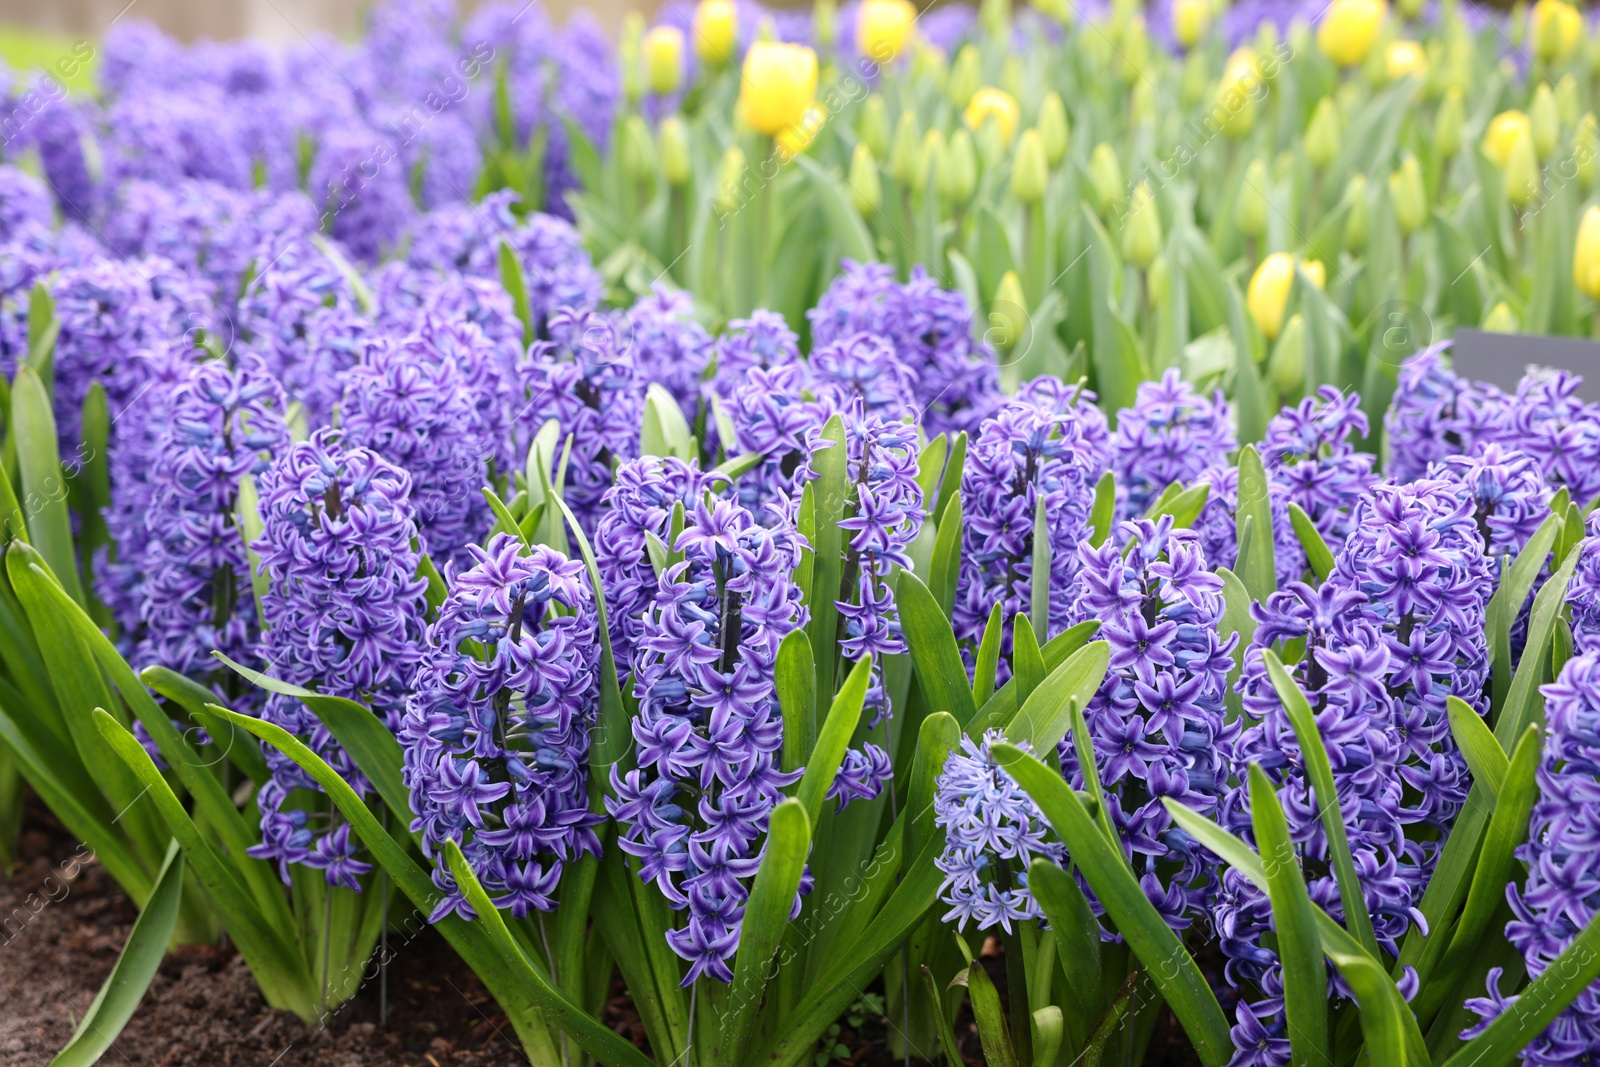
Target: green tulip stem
[[763, 226], [1594, 324], [677, 224]]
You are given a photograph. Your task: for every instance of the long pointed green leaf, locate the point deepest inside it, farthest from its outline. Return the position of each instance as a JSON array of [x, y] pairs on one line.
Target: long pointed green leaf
[[766, 916], [1320, 771], [933, 650], [796, 682], [237, 747], [44, 487], [938, 737], [986, 668], [1104, 508], [1039, 598], [1046, 716], [1318, 556], [277, 964], [1485, 758], [946, 566], [1106, 869], [136, 965], [834, 739], [1305, 976], [1516, 581], [993, 1036], [1259, 573], [1077, 932]]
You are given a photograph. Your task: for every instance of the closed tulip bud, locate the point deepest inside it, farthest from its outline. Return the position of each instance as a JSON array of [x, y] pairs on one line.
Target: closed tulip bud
[[928, 64], [1054, 129], [1404, 59], [995, 17], [1250, 209], [1359, 216], [1105, 176], [1568, 102], [1447, 125], [1030, 172], [1287, 364], [1586, 150], [638, 151], [1522, 172], [997, 106], [1268, 294], [630, 56], [1190, 20], [663, 57], [1349, 29], [1517, 24], [1500, 319], [1196, 77], [1059, 11], [716, 31], [866, 191], [1322, 135], [825, 24], [966, 76], [1141, 235], [730, 181], [1556, 28], [1315, 272], [1586, 256], [1544, 122], [778, 86], [1266, 44], [884, 27], [905, 150], [1409, 9], [1502, 134], [1409, 196], [674, 147], [873, 129], [1008, 314], [958, 169], [1242, 84], [1142, 101], [1160, 279], [1134, 54]]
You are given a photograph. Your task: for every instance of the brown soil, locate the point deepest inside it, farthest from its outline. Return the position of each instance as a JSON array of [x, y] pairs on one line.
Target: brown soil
[[62, 924]]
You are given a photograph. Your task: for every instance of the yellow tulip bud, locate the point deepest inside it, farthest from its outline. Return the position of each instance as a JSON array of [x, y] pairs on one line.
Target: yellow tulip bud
[[1543, 121], [873, 130], [1517, 24], [966, 76], [778, 86], [1503, 131], [1409, 9], [1141, 234], [1030, 172], [958, 170], [825, 23], [1011, 76], [1405, 59], [928, 63], [1287, 364], [883, 28], [1359, 216], [797, 136], [716, 31], [1522, 171], [1159, 278], [929, 159], [905, 149], [1190, 20], [1105, 176], [1322, 135], [1268, 294], [1500, 319], [1447, 124], [1567, 100], [1250, 210], [1556, 28], [663, 57], [1008, 314], [1315, 272], [1586, 256], [1242, 85], [865, 188], [1409, 197], [1586, 150], [673, 144], [730, 181], [637, 149], [629, 56], [1134, 56], [995, 17], [987, 104], [1349, 29], [1054, 128], [1196, 76]]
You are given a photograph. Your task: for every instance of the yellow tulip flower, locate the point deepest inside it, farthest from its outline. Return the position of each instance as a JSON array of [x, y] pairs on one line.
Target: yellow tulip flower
[[1502, 134], [1268, 295], [996, 104], [716, 31], [797, 136], [884, 28], [1349, 30], [1586, 257], [1190, 20], [1556, 28], [1403, 59], [663, 58], [778, 86]]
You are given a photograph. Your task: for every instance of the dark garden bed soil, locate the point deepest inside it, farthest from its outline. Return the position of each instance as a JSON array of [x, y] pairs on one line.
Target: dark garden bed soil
[[63, 921]]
